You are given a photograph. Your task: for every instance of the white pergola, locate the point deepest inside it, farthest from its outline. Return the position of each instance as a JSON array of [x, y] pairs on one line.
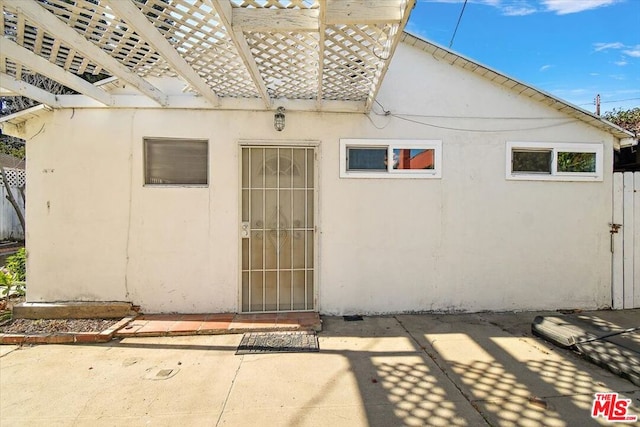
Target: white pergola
[[309, 55]]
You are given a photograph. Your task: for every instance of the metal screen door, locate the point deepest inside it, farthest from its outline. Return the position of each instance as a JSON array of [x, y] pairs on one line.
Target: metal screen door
[[277, 229]]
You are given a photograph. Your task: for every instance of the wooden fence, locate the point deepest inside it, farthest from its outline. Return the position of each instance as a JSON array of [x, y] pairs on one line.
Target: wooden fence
[[626, 241], [9, 223]]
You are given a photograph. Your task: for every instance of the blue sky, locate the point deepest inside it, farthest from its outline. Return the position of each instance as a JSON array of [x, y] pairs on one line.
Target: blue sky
[[573, 49]]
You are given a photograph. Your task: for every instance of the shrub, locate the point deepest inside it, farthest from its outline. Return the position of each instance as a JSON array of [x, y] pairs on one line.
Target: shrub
[[6, 282], [17, 265], [13, 275]]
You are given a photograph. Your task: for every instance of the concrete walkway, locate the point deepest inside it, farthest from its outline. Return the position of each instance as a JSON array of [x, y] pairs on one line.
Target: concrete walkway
[[213, 324], [436, 370]]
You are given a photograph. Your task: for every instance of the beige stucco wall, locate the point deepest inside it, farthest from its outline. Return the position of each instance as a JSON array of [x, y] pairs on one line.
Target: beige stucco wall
[[469, 241]]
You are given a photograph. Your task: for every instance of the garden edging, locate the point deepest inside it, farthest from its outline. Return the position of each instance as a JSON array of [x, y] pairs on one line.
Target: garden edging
[[66, 337]]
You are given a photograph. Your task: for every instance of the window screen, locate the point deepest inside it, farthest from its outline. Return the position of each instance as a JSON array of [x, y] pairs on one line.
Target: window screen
[[366, 159], [536, 161], [176, 161]]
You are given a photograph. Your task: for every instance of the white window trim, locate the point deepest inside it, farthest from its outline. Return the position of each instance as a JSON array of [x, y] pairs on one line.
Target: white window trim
[[556, 147], [391, 144]]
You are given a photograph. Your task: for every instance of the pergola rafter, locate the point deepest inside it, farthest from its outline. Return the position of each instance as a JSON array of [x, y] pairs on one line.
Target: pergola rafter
[[44, 19], [41, 66], [30, 91], [322, 5], [331, 54], [223, 8], [132, 15]]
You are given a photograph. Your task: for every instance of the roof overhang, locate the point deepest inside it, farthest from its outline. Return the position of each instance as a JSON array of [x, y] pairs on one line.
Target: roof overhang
[[15, 124], [320, 55], [625, 137]]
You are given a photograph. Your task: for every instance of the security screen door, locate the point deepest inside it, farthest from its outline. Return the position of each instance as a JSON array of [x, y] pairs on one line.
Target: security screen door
[[277, 228]]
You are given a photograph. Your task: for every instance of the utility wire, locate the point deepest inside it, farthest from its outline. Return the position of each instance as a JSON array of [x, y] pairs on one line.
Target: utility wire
[[423, 122], [609, 102], [482, 130], [458, 24]]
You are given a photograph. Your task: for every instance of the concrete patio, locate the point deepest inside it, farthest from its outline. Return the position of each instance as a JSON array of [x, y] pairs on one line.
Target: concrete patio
[[440, 370]]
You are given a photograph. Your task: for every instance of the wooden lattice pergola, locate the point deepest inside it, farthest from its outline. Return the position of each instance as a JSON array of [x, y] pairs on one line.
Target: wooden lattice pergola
[[317, 55]]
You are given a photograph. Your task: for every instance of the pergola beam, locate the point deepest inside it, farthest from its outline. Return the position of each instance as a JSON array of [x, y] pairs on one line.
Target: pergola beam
[[28, 90], [349, 12], [396, 39], [130, 13], [321, 20], [223, 8], [280, 20], [40, 65], [364, 12], [49, 22], [189, 101]]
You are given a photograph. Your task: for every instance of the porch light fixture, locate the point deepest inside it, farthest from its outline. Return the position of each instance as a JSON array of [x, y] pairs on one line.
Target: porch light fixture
[[278, 119]]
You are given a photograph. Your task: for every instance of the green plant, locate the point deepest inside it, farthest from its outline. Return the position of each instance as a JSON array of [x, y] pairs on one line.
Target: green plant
[[6, 281], [13, 275], [17, 265]]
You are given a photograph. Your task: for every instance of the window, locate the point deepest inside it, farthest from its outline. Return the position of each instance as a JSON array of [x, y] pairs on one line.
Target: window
[[382, 158], [176, 161], [554, 161]]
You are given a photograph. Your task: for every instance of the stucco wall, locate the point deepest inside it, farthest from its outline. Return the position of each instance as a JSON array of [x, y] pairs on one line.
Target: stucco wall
[[469, 241]]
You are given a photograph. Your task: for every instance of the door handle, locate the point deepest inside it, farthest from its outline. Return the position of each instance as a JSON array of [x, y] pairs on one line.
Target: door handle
[[244, 230]]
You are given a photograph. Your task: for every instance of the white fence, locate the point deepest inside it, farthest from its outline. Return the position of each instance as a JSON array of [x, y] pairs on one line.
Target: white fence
[[9, 223], [626, 242]]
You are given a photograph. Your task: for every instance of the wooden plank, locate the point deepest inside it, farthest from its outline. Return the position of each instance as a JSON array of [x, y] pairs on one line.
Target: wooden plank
[[322, 5], [2, 20], [132, 15], [396, 39], [30, 91], [40, 65], [274, 20], [188, 101], [617, 279], [628, 237], [636, 240], [50, 23], [12, 129], [369, 12], [223, 8]]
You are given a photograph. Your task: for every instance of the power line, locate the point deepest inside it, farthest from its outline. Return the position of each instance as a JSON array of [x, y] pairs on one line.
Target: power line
[[609, 102], [409, 118], [458, 24], [565, 122]]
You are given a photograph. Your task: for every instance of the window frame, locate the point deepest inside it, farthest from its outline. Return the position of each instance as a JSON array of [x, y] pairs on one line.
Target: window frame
[[554, 174], [145, 159], [390, 145]]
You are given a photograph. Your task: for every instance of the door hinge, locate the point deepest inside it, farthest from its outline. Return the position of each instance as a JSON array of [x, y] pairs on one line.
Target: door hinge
[[614, 228]]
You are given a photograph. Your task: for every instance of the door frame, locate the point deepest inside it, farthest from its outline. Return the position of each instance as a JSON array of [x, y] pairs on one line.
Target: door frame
[[295, 143]]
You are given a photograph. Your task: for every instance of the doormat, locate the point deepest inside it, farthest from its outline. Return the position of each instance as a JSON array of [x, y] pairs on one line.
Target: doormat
[[278, 342], [352, 318]]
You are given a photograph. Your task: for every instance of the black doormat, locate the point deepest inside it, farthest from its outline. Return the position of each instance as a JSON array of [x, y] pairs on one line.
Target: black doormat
[[352, 318], [278, 342]]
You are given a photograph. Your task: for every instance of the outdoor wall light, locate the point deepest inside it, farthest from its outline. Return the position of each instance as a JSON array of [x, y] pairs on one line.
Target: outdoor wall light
[[278, 119]]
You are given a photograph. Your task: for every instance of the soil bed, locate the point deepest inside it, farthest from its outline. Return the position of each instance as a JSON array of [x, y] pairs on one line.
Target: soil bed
[[49, 326]]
